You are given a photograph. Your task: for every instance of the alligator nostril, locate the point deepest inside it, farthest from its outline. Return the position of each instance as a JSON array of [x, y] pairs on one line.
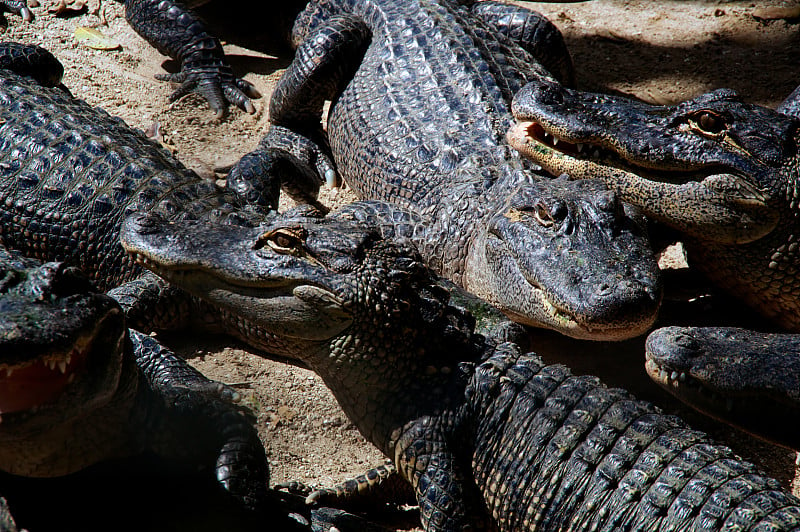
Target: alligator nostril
[[603, 289], [607, 201]]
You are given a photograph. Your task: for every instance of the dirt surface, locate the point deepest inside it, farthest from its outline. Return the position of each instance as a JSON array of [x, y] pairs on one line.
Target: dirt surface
[[660, 51]]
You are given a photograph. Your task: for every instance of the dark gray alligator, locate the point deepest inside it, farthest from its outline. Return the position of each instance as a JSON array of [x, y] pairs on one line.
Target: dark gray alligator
[[487, 437], [744, 378], [70, 173], [421, 94], [721, 171], [188, 31], [78, 388]]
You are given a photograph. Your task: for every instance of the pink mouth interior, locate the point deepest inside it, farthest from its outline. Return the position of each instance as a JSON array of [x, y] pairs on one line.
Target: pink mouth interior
[[36, 384]]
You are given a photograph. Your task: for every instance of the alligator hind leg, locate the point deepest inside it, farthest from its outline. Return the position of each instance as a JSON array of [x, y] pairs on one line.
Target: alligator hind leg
[[533, 32], [324, 62]]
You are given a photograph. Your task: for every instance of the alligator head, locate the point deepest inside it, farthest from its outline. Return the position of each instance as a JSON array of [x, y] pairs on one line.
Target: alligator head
[[569, 256], [292, 281], [747, 379], [61, 346], [328, 292], [713, 167]]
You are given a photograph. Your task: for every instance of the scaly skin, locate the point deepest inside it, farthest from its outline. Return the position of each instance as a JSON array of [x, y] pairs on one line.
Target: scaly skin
[[421, 94], [744, 378], [78, 388], [722, 172], [488, 438], [70, 173]]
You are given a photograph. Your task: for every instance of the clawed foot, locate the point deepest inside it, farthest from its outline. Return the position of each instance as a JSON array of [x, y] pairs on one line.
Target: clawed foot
[[217, 84], [18, 7]]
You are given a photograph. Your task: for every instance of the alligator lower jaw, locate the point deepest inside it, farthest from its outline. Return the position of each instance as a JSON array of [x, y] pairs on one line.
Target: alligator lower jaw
[[560, 322], [265, 313], [585, 160], [557, 156]]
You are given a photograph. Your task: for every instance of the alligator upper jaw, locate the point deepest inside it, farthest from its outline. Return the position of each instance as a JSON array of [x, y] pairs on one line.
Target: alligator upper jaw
[[723, 207], [277, 308]]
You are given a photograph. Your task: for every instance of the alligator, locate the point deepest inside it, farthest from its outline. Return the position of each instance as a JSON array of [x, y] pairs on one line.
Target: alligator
[[70, 173], [404, 78], [747, 379], [486, 436], [187, 32], [78, 388], [720, 171]]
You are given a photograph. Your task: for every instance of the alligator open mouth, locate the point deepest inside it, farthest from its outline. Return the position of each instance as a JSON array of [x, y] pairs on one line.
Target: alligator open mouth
[[523, 134], [29, 385], [708, 202]]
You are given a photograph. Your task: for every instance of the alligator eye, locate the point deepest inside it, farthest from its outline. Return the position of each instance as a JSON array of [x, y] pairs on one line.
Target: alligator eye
[[284, 240], [548, 216], [707, 122]]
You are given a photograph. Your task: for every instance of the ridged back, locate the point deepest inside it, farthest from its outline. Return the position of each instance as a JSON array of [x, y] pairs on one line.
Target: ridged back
[[561, 452], [70, 173]]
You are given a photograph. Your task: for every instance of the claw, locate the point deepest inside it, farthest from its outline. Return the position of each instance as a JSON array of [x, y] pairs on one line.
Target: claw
[[19, 7]]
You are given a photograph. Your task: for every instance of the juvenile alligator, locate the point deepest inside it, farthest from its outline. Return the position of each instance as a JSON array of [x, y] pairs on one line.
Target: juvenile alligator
[[78, 388], [421, 94], [187, 32], [70, 173], [744, 378], [722, 172], [487, 437]]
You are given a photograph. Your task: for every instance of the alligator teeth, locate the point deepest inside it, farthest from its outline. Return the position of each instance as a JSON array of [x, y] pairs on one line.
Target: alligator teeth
[[579, 147], [596, 153], [62, 366], [555, 141]]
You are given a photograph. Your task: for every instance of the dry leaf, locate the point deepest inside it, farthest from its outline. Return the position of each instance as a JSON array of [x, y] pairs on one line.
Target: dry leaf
[[92, 38]]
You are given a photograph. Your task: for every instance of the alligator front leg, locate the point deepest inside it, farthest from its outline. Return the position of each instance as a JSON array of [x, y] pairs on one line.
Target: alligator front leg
[[210, 425], [176, 32], [18, 7], [296, 147], [285, 160], [446, 494], [151, 304]]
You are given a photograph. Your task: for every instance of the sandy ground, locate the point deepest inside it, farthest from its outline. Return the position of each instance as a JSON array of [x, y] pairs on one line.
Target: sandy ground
[[660, 51]]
